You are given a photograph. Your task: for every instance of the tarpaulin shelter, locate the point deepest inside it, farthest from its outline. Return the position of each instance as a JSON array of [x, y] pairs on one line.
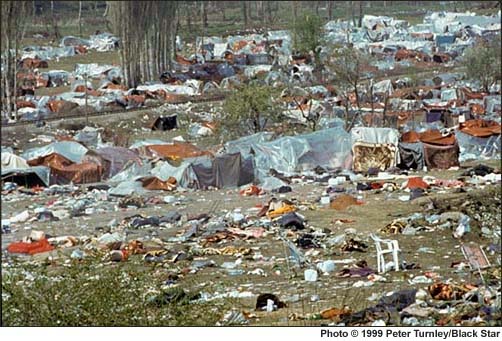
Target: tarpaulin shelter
[[154, 183], [228, 170], [16, 169], [70, 150], [64, 170], [164, 123], [440, 151], [374, 148], [117, 158], [479, 139], [174, 151], [289, 154]]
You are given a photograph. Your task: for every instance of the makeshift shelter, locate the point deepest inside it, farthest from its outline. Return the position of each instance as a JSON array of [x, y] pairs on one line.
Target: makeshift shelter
[[479, 139], [229, 170], [440, 150], [289, 154], [16, 169], [411, 151], [116, 158], [164, 123], [64, 170], [174, 151], [70, 150], [374, 148], [154, 183], [222, 171]]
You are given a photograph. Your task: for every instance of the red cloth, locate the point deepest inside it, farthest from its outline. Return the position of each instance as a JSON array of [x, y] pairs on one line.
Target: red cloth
[[417, 182], [30, 248]]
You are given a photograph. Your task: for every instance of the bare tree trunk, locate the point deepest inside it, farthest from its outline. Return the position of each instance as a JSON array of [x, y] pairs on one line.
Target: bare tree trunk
[[245, 13], [353, 13], [295, 9], [80, 18], [223, 7], [361, 13], [204, 14], [384, 115], [15, 71], [317, 4], [330, 10]]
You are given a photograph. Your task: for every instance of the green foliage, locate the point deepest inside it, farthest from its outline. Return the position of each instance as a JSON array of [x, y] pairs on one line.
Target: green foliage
[[483, 63], [250, 108], [348, 65], [88, 294], [307, 33]]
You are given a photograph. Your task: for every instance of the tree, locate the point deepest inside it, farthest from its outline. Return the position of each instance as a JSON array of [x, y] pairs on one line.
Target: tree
[[307, 37], [245, 13], [330, 10], [148, 37], [483, 63], [79, 18], [310, 110], [14, 15], [250, 108], [347, 66], [360, 13]]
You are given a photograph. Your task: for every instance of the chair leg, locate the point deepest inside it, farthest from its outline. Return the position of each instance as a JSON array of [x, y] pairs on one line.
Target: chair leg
[[396, 260]]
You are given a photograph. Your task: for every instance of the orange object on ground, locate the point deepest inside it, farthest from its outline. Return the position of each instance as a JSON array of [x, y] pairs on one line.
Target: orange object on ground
[[251, 190], [334, 313], [30, 248], [280, 211], [344, 201], [416, 182], [154, 183]]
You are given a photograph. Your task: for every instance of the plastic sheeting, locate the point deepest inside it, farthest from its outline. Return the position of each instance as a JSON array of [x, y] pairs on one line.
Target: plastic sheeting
[[326, 148], [148, 142], [478, 148], [73, 151], [184, 175], [412, 155], [376, 136], [190, 88], [27, 176], [130, 170], [117, 157], [94, 70], [244, 144], [47, 52], [12, 161], [89, 136], [127, 188]]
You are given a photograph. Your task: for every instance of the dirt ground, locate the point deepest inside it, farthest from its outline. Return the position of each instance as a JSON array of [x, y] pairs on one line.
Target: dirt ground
[[280, 277]]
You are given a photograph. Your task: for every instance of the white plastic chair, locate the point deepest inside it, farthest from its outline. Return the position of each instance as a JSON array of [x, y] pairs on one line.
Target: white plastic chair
[[391, 247]]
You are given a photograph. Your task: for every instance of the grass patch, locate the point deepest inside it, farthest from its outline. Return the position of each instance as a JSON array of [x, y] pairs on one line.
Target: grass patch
[[91, 294]]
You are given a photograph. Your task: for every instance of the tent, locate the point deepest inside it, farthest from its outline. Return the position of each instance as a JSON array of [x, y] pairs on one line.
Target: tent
[[16, 169], [479, 139], [374, 148], [173, 151], [290, 154], [222, 171], [228, 170], [117, 158], [70, 150], [64, 170]]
